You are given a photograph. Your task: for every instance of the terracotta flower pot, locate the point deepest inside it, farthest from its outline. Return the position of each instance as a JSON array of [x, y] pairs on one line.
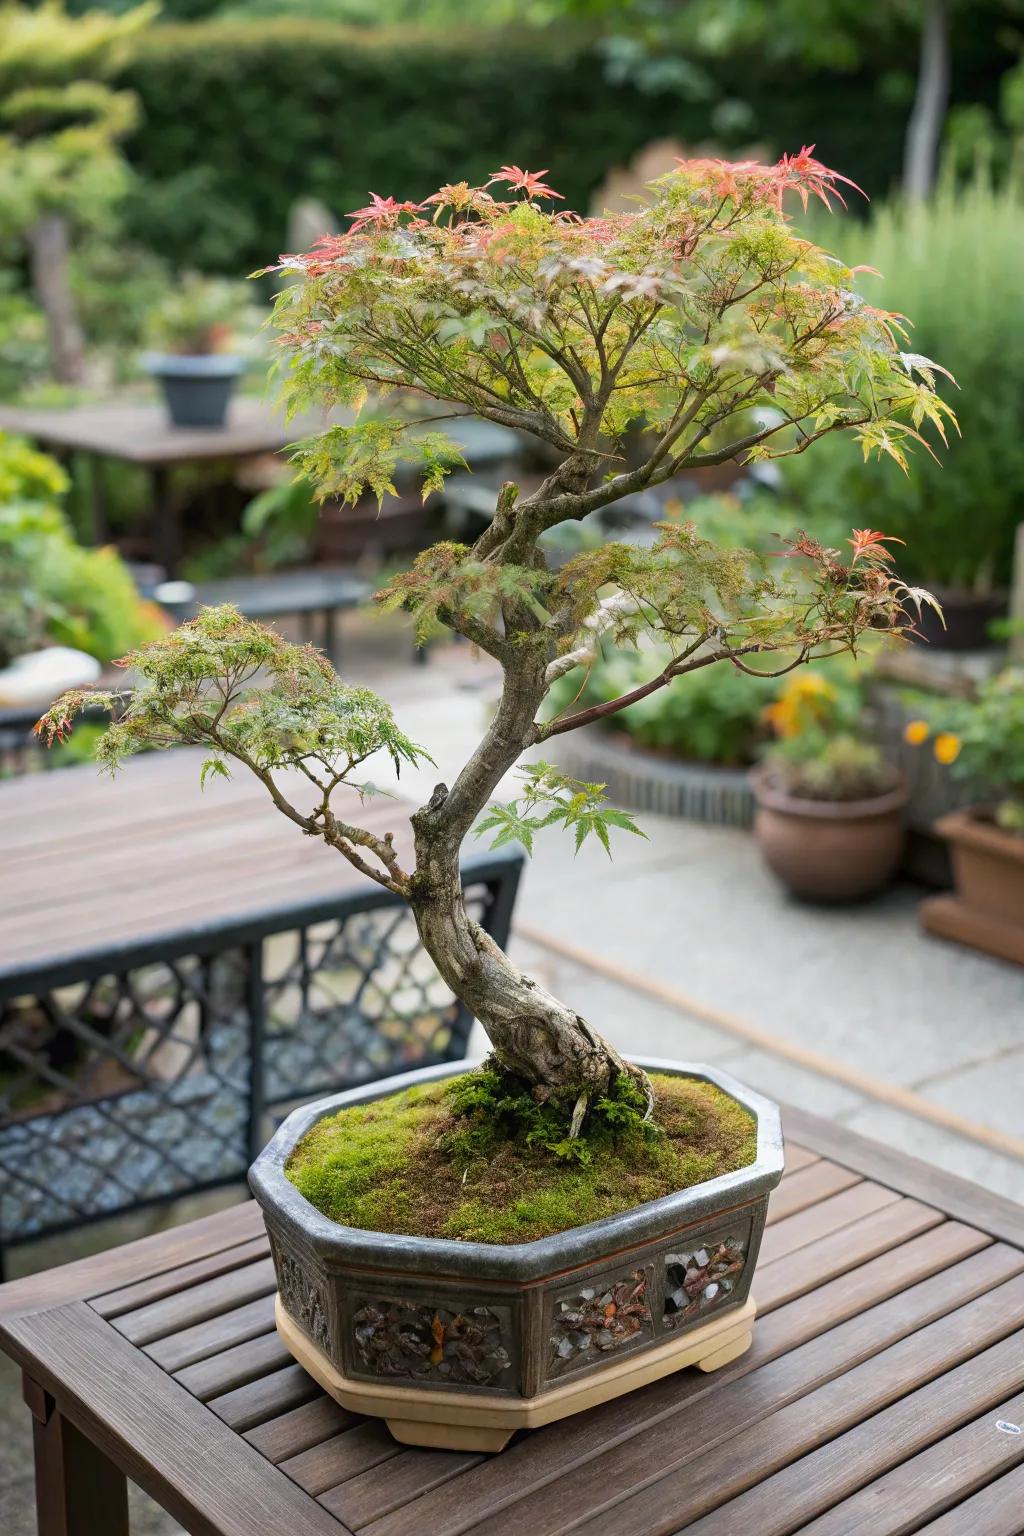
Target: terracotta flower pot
[[987, 908], [459, 1344], [829, 850]]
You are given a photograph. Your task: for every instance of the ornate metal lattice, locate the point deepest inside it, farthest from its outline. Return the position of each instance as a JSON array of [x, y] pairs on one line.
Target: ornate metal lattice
[[155, 1076]]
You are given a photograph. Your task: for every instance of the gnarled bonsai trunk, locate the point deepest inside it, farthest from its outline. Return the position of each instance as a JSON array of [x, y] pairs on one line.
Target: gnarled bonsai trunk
[[533, 1034]]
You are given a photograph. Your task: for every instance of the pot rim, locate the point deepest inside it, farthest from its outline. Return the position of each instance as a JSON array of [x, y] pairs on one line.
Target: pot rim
[[595, 1240], [969, 826], [194, 365], [772, 798]]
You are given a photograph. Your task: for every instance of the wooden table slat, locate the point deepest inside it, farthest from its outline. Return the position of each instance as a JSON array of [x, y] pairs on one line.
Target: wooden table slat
[[798, 1157], [234, 1367], [264, 1399], [252, 860], [807, 1186], [794, 1351], [354, 1450], [176, 1350], [410, 1475], [819, 1220], [995, 1511], [300, 1428], [156, 1432], [166, 1283], [932, 1481], [198, 1303], [958, 1197], [785, 1502], [975, 1364], [784, 1279], [147, 1256]]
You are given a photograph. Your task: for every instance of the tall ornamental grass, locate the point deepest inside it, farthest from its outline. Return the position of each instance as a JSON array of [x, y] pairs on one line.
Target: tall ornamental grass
[[956, 265]]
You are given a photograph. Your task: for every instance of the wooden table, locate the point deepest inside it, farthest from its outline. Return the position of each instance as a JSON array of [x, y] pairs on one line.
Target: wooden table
[[143, 435], [883, 1393]]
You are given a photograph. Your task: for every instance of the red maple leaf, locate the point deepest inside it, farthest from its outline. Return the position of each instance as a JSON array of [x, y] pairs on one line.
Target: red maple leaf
[[381, 210], [869, 541], [524, 181]]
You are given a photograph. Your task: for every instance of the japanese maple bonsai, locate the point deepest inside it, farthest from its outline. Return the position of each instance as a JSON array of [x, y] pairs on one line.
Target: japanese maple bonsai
[[704, 317]]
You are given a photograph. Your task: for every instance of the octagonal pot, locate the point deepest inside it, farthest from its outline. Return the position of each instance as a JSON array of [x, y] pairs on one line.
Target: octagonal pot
[[458, 1344]]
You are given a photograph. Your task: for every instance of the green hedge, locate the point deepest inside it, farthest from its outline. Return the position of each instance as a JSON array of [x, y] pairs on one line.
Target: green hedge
[[241, 119]]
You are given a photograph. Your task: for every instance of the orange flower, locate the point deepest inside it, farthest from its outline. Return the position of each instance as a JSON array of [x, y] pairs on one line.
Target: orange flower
[[947, 748], [915, 732]]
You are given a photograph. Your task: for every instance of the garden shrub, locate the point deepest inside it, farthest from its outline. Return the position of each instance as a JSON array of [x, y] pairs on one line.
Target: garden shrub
[[955, 265], [51, 587], [239, 119]]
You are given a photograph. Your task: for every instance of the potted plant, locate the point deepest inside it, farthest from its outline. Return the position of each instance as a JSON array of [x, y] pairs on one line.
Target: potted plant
[[983, 740], [830, 808], [680, 751], [194, 329], [465, 1254]]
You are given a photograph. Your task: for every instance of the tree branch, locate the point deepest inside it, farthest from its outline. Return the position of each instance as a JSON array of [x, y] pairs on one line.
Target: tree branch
[[678, 667]]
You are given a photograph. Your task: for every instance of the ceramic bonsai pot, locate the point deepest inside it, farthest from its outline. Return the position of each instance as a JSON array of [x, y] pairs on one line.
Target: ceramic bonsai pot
[[829, 850], [197, 389], [459, 1344], [986, 910]]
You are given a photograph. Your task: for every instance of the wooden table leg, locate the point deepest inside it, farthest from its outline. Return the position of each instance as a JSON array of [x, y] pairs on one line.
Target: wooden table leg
[[93, 470], [166, 521], [331, 636], [78, 1491]]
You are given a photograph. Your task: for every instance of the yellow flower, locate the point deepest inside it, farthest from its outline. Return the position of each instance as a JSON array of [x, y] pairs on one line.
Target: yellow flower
[[947, 747], [915, 732], [805, 701]]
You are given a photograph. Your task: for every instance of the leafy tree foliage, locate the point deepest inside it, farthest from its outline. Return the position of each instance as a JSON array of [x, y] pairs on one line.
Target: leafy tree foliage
[[705, 318]]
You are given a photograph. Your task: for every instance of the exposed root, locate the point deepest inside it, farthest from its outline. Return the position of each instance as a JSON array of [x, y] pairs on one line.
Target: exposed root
[[575, 1125]]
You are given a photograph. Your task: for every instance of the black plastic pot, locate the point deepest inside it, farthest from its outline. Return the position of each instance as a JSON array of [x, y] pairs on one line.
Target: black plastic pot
[[967, 615], [198, 388]]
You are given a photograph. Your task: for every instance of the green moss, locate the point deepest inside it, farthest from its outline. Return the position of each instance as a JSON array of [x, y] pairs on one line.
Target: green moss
[[456, 1159]]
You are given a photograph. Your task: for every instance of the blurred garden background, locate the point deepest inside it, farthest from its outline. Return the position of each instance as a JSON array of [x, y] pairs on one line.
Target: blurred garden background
[[151, 158]]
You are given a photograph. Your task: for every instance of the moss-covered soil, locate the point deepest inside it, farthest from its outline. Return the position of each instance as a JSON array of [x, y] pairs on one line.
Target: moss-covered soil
[[439, 1160]]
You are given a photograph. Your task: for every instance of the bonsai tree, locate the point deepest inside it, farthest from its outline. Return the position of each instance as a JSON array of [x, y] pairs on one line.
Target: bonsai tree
[[705, 317]]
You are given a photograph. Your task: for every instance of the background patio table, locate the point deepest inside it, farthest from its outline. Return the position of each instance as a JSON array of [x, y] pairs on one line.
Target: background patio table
[[177, 967], [143, 435], [884, 1390]]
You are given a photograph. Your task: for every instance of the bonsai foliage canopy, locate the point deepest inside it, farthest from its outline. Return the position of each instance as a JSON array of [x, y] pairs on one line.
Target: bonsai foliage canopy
[[702, 318]]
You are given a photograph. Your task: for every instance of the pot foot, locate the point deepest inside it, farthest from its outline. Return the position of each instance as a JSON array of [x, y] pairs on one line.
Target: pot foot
[[730, 1351], [484, 1421], [449, 1437]]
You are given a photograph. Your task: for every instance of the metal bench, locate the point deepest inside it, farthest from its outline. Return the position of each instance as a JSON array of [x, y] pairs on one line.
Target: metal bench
[[177, 969], [302, 593]]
